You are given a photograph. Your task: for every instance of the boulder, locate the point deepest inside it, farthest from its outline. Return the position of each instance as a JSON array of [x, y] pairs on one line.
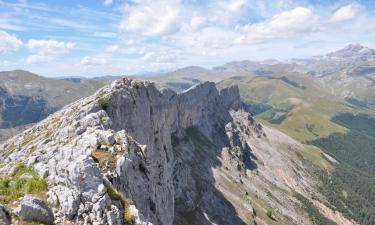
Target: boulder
[[34, 209], [4, 216]]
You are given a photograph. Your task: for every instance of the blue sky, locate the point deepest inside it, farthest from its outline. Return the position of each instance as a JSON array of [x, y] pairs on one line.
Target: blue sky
[[112, 37]]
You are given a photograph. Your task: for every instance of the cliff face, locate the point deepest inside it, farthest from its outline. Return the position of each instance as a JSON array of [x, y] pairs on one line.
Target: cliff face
[[134, 153], [127, 147]]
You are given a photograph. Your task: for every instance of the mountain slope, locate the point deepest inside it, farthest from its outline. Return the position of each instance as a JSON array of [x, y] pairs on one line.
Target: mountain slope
[[134, 154], [27, 98]]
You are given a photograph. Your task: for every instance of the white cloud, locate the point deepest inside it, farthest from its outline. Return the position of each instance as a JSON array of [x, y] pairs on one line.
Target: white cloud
[[345, 13], [152, 18], [197, 22], [92, 61], [161, 57], [235, 5], [8, 42], [108, 2], [283, 25], [46, 50]]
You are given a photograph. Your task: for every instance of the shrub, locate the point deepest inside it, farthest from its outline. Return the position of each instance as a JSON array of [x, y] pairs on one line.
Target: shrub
[[13, 187], [269, 214], [104, 103], [117, 196]]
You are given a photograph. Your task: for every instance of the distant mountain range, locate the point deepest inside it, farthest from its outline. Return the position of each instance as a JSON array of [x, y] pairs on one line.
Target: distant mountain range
[[27, 98]]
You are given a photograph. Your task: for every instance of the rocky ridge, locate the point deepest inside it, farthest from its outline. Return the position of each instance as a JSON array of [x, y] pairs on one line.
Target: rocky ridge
[[133, 154]]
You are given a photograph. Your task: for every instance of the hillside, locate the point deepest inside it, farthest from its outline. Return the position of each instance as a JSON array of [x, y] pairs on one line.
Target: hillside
[[27, 98]]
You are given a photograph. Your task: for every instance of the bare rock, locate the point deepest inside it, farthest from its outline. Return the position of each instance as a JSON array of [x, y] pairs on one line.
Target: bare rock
[[34, 209], [4, 216]]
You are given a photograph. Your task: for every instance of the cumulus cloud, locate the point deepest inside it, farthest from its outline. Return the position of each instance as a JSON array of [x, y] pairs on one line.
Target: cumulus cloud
[[197, 22], [152, 18], [107, 2], [345, 13], [46, 50], [8, 42], [235, 5], [283, 25], [92, 61]]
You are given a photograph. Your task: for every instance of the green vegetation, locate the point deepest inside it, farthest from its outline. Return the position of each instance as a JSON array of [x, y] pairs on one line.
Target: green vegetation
[[257, 108], [315, 216], [357, 147], [300, 107], [358, 201], [269, 214], [263, 211], [351, 186], [18, 184], [29, 138], [316, 157], [104, 102], [117, 196]]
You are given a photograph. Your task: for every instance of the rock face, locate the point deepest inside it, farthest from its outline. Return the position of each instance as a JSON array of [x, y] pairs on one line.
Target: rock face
[[134, 154], [4, 216], [33, 209]]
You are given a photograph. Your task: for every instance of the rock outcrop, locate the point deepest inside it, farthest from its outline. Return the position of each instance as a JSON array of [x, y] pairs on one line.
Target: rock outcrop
[[4, 216], [133, 154], [33, 209]]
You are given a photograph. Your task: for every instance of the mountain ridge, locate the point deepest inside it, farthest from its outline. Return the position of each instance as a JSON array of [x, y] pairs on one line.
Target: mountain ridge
[[196, 153]]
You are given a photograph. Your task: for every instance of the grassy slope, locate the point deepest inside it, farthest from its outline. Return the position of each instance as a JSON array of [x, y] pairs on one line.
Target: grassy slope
[[306, 114]]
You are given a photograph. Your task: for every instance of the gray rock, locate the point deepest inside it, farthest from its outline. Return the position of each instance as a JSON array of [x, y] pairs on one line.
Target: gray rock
[[26, 176], [66, 199], [114, 216], [34, 209], [4, 216]]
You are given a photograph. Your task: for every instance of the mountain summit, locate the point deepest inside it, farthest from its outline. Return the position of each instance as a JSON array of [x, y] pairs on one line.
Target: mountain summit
[[354, 52]]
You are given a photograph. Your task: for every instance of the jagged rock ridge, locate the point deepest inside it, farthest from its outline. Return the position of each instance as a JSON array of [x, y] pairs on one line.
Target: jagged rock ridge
[[134, 154]]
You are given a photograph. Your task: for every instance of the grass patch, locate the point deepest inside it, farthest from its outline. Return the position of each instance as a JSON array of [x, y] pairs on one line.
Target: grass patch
[[29, 138], [104, 102], [263, 210], [8, 150], [107, 161], [316, 157], [15, 186], [117, 196]]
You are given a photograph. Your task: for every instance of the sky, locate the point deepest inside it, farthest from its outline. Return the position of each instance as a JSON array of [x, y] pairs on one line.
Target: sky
[[116, 37]]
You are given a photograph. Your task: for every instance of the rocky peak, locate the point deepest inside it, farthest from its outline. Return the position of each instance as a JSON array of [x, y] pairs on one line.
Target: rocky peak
[[119, 138], [133, 154], [354, 51]]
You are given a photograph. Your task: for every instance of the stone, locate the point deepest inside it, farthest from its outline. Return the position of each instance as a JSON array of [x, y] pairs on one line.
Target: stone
[[26, 176], [66, 199], [33, 209], [114, 216], [102, 189], [4, 216]]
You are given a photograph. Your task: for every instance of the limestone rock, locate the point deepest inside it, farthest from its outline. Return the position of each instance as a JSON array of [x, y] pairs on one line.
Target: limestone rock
[[169, 156], [4, 216], [35, 210]]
